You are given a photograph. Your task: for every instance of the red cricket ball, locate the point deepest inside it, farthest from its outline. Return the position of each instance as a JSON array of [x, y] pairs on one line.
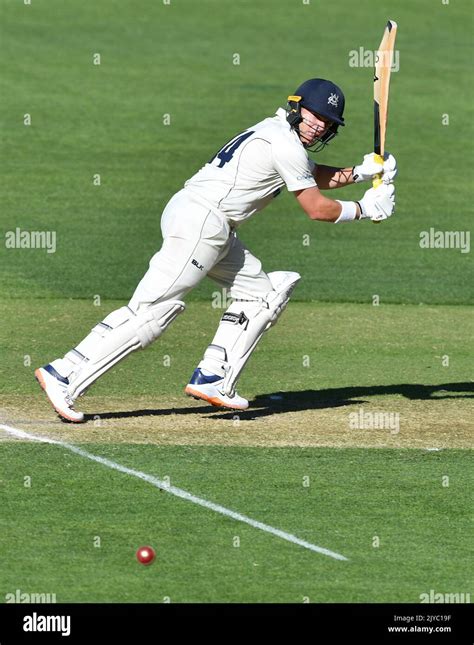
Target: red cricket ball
[[146, 554]]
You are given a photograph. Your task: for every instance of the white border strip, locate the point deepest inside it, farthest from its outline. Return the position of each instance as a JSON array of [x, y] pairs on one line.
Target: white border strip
[[178, 492]]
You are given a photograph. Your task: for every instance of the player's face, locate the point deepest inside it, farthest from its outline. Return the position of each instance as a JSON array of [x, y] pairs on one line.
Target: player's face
[[312, 127]]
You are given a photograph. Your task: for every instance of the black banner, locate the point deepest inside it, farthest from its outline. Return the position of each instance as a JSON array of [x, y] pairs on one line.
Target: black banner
[[136, 623]]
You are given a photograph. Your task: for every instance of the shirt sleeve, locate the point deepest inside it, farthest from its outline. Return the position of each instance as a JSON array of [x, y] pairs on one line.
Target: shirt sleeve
[[293, 165]]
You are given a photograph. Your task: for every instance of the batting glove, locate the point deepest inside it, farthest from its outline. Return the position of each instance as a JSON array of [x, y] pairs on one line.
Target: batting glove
[[378, 203], [369, 168]]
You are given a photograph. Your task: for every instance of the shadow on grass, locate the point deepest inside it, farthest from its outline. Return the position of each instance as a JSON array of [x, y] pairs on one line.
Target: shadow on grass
[[282, 402]]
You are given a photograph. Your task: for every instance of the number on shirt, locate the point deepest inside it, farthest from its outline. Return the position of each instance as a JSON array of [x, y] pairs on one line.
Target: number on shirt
[[226, 153]]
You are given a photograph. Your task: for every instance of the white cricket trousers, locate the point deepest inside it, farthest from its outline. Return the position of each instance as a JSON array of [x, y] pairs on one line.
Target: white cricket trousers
[[198, 242]]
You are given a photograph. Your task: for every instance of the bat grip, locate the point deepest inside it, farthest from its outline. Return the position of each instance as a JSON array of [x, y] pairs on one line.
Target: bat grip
[[377, 179]]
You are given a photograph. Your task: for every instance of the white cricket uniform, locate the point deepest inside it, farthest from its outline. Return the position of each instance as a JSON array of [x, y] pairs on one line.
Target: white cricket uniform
[[199, 222]]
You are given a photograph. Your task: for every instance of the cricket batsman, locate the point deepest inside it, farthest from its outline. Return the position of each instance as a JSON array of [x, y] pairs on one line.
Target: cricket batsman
[[200, 238]]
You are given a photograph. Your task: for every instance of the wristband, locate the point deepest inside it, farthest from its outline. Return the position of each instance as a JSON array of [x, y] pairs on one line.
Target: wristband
[[348, 212]]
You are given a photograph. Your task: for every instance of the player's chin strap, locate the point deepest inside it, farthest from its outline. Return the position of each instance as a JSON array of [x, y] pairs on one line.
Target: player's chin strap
[[293, 111], [242, 326]]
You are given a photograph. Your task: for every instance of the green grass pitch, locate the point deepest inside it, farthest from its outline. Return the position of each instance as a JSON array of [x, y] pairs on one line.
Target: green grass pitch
[[377, 324]]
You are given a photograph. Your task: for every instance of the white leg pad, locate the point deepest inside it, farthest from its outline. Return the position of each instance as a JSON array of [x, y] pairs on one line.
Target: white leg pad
[[283, 283], [120, 333], [242, 326]]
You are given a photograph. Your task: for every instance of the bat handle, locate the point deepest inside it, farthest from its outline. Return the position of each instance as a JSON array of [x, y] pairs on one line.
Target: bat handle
[[377, 179]]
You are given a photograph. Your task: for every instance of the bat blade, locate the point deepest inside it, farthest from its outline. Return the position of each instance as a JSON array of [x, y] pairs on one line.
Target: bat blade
[[383, 67]]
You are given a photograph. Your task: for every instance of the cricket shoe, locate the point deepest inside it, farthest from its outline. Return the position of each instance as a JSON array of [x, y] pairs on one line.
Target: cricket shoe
[[208, 388], [55, 387]]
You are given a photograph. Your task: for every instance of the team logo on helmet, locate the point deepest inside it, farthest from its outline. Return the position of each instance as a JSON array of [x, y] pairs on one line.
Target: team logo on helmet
[[333, 100]]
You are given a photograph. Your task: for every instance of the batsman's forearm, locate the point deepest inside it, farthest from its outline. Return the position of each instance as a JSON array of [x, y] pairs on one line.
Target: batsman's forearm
[[328, 177], [329, 210], [319, 207]]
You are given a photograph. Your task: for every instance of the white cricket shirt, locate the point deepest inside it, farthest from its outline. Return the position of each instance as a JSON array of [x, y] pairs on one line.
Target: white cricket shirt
[[250, 170]]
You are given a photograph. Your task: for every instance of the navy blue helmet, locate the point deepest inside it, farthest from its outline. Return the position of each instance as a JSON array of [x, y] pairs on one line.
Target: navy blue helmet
[[325, 99]]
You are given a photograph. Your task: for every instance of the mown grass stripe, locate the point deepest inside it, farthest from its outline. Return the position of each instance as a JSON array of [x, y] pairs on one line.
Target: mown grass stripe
[[178, 492]]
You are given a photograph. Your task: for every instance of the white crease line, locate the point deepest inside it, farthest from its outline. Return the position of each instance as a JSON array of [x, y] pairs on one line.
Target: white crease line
[[178, 492]]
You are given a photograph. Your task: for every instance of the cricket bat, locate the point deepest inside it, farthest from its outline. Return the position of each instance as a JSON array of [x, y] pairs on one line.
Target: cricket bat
[[383, 67]]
